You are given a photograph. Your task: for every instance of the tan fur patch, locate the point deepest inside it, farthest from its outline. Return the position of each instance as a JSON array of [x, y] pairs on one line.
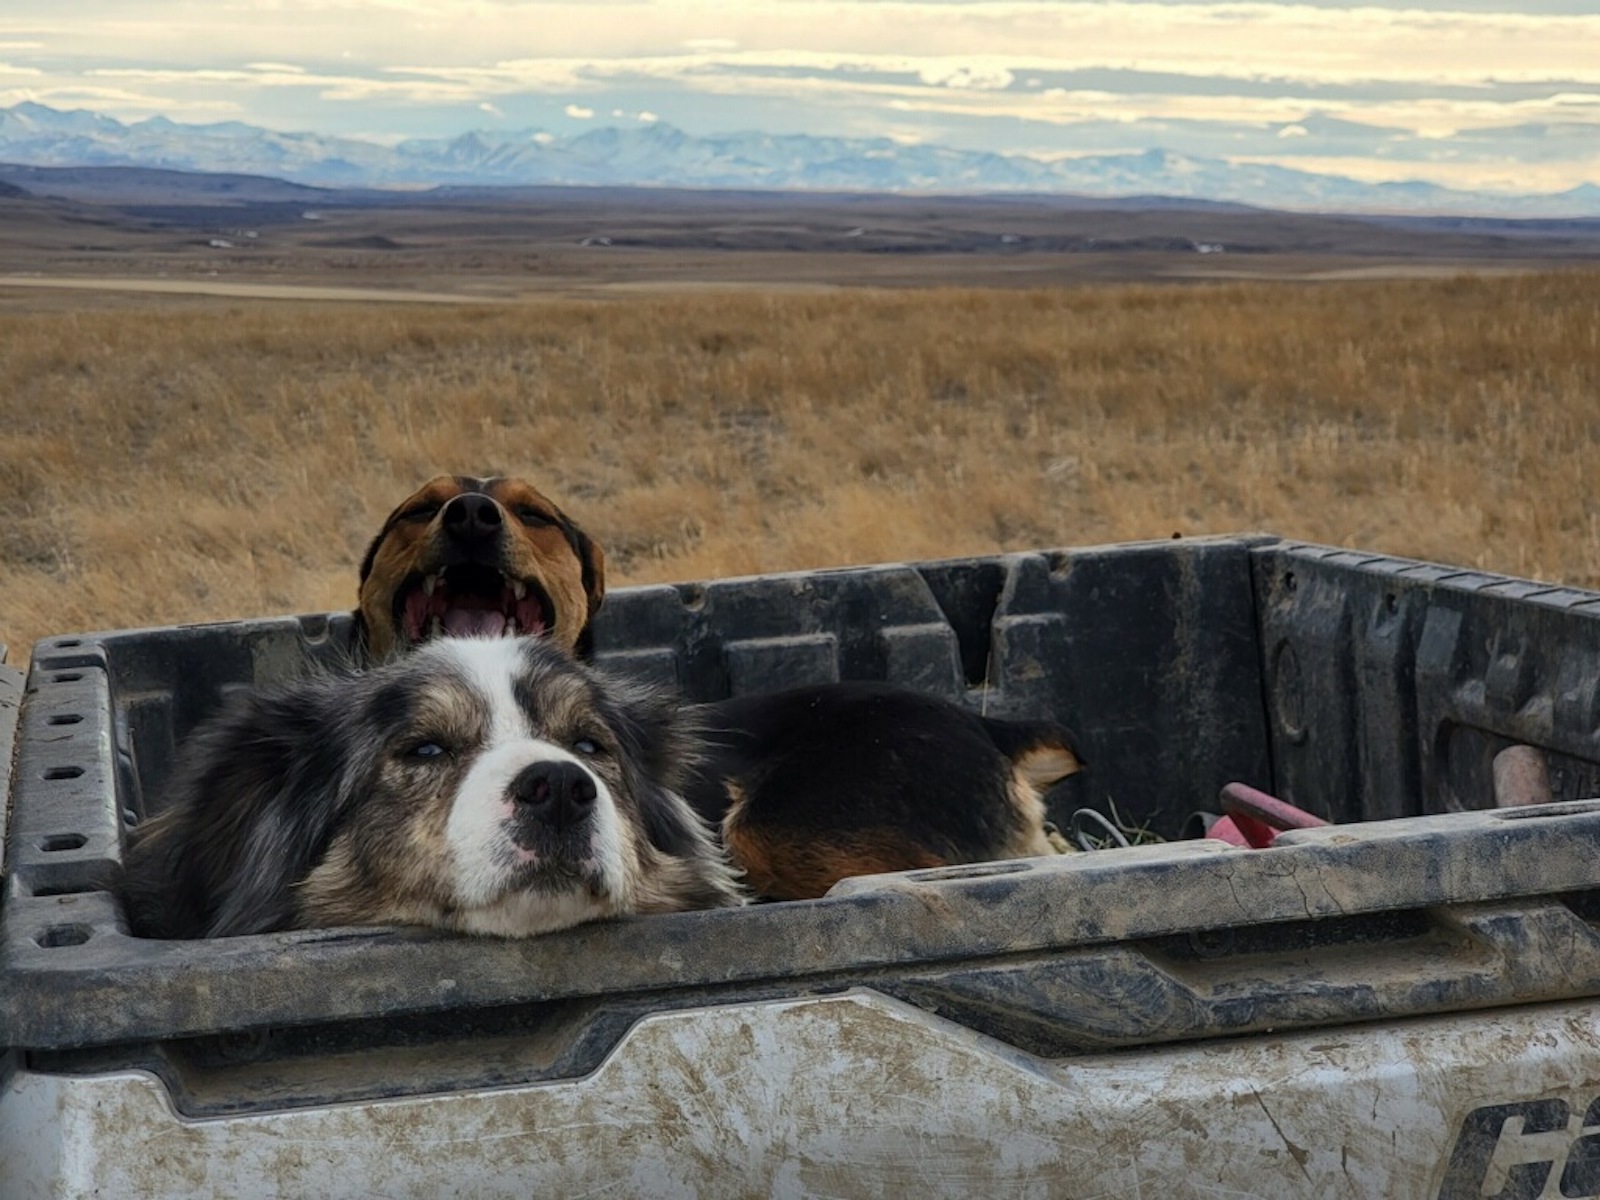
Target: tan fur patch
[[1032, 773], [1058, 841], [402, 883], [1044, 766], [804, 867], [1030, 839]]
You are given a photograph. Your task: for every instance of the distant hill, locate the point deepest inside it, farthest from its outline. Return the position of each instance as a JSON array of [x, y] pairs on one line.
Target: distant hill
[[660, 155], [145, 185]]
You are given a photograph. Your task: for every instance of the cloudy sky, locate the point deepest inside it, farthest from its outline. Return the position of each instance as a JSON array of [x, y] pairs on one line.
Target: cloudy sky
[[1471, 93]]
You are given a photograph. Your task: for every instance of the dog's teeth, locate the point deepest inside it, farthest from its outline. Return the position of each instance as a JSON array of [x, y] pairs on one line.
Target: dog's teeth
[[429, 582], [436, 627], [519, 589]]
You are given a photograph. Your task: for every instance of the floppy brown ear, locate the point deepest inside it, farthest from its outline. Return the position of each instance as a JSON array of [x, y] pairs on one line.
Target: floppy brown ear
[[363, 639], [594, 568], [592, 559], [371, 555]]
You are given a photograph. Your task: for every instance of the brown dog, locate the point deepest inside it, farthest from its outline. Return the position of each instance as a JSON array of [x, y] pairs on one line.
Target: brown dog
[[805, 786], [478, 557]]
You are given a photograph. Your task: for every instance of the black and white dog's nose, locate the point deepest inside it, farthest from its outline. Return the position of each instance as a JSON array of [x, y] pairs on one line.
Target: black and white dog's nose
[[558, 795], [472, 517]]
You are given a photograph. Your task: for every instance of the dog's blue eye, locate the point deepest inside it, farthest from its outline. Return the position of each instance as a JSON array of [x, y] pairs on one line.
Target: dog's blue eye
[[427, 750], [586, 746]]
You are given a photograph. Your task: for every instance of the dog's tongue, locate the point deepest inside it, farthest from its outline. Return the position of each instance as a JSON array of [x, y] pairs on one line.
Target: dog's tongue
[[474, 622]]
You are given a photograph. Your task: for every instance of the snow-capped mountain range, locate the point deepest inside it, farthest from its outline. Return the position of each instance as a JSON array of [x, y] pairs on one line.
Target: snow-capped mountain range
[[660, 155]]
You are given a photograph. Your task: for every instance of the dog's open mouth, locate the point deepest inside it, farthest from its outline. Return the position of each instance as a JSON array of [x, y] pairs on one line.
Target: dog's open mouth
[[471, 600]]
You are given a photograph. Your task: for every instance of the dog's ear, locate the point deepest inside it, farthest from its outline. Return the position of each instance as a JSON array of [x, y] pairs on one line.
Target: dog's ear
[[651, 724], [256, 796], [594, 570], [593, 561], [362, 638], [691, 869], [656, 736], [371, 556]]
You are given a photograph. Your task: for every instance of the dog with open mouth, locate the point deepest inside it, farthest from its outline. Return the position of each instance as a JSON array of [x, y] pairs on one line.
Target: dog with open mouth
[[806, 786], [475, 557], [482, 785]]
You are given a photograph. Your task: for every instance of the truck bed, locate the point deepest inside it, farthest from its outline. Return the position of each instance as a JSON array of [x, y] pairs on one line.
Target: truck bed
[[1395, 1004]]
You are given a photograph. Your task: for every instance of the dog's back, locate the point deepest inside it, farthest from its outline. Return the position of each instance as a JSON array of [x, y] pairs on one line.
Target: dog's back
[[817, 783]]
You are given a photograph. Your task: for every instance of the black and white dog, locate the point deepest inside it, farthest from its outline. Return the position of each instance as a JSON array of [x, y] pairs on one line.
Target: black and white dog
[[489, 786]]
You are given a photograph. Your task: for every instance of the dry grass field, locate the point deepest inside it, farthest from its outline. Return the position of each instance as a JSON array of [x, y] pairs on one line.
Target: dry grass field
[[167, 459]]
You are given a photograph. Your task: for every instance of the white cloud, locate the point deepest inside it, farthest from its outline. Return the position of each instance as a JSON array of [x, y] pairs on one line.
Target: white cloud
[[648, 117], [986, 78], [972, 88], [1250, 39], [1294, 131], [490, 109]]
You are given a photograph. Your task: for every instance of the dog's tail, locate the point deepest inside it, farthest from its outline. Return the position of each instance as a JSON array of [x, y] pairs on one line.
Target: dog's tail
[[1043, 753]]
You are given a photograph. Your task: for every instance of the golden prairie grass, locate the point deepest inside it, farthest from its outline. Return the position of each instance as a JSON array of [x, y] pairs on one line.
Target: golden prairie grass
[[177, 462]]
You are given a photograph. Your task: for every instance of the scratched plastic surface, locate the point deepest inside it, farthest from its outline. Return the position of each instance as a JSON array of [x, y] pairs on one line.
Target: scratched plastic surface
[[1371, 691]]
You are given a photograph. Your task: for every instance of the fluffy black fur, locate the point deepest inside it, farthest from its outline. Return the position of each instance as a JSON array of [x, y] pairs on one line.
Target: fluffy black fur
[[266, 784], [812, 784], [258, 790], [853, 755]]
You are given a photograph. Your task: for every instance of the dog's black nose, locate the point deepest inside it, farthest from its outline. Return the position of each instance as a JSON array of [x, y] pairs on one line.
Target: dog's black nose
[[558, 795], [472, 517]]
